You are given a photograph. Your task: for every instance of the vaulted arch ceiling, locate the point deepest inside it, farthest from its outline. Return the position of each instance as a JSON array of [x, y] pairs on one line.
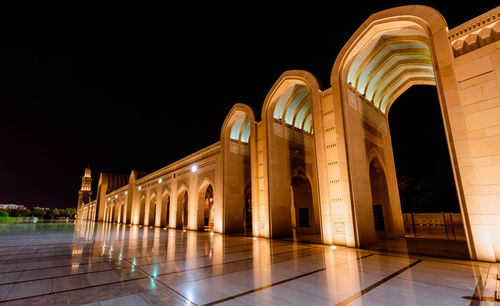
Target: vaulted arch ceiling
[[241, 128], [294, 107], [389, 62]]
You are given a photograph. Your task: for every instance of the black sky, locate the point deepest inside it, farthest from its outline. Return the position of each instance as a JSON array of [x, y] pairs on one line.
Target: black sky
[[79, 81]]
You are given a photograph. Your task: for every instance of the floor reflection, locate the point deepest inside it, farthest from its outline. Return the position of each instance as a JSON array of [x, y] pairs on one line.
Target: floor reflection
[[89, 262]]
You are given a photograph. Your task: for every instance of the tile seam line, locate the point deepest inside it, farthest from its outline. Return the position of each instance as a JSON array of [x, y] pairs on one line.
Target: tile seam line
[[272, 285], [436, 259], [107, 261], [152, 277], [93, 272], [234, 261], [223, 273], [69, 290], [23, 245], [377, 284], [116, 260]]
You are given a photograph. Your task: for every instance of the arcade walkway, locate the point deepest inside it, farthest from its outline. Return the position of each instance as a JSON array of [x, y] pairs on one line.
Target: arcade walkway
[[109, 264]]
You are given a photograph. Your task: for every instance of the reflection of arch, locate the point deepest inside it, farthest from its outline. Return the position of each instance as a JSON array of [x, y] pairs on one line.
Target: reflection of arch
[[152, 210], [165, 208]]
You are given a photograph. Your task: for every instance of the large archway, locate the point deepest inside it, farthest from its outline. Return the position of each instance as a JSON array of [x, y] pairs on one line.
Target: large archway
[[289, 146], [430, 210], [391, 52], [239, 168]]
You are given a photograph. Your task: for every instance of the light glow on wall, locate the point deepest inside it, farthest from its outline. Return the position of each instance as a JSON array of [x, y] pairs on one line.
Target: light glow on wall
[[194, 168]]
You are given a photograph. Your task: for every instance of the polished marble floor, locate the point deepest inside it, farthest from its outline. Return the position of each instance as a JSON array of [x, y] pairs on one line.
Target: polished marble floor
[[109, 264]]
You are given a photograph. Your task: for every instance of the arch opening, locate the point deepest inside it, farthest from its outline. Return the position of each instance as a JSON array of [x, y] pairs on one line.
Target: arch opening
[[380, 199], [304, 217], [247, 213], [165, 210], [237, 143], [182, 210], [207, 197], [293, 186], [430, 210], [142, 210], [152, 211], [120, 213], [389, 54]]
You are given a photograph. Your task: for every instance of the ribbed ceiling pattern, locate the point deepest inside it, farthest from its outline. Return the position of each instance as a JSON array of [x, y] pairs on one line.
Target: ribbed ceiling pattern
[[294, 107], [389, 62]]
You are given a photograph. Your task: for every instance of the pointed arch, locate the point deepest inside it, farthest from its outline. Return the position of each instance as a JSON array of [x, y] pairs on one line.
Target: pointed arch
[[239, 161], [391, 51], [206, 203], [293, 128], [182, 211], [165, 208]]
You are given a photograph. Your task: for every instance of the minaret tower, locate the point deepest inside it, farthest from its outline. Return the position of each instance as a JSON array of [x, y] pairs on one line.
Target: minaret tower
[[85, 192]]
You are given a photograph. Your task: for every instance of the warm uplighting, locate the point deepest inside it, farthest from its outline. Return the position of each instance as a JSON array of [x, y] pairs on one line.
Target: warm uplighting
[[140, 187], [160, 181], [254, 238], [211, 233], [116, 196], [183, 231], [333, 247], [194, 168]]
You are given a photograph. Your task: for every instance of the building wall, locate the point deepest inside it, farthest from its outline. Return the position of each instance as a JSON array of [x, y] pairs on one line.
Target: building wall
[[477, 121], [348, 134]]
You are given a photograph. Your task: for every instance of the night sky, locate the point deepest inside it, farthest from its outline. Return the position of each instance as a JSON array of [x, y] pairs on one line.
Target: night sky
[[138, 87]]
